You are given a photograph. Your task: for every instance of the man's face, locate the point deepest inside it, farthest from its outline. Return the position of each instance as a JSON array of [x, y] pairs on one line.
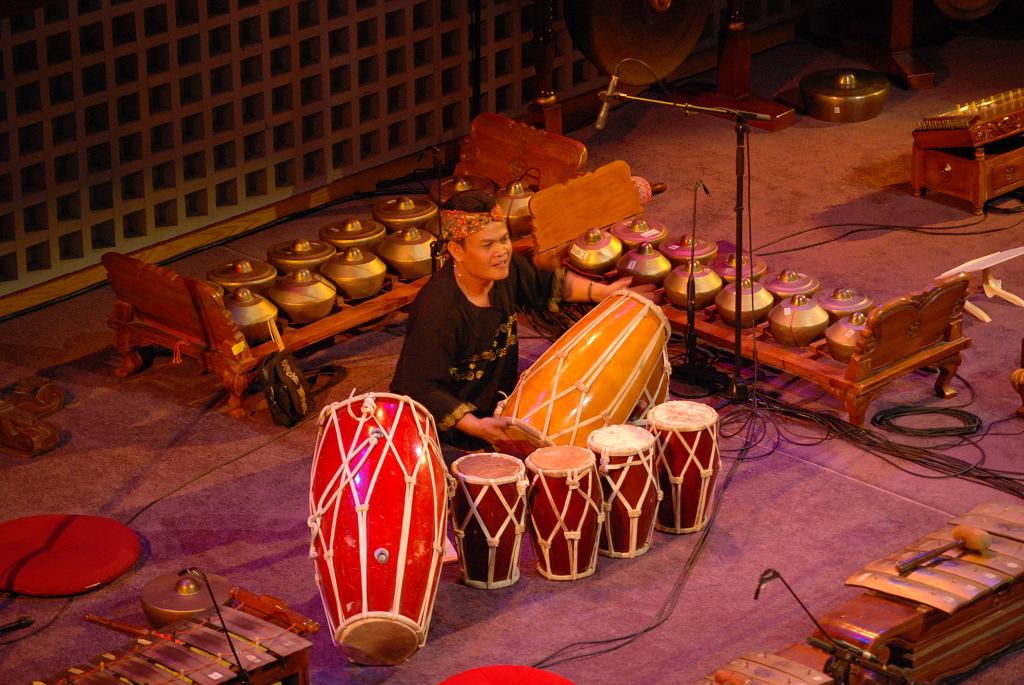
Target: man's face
[[486, 253]]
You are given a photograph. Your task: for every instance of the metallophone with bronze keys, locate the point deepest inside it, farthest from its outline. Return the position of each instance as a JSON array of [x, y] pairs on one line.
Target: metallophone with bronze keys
[[195, 650], [941, 619], [974, 151]]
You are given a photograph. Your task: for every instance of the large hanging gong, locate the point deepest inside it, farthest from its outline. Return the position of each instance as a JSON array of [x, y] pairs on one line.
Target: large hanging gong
[[965, 10], [659, 32]]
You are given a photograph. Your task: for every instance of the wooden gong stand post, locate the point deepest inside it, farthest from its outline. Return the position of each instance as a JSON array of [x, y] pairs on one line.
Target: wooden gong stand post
[[545, 110], [733, 89], [904, 68]]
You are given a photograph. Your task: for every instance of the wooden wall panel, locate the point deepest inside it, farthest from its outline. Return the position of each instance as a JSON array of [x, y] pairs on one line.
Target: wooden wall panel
[[127, 123]]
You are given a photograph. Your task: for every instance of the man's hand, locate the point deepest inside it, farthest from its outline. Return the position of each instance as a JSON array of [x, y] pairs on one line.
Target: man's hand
[[490, 429], [647, 290]]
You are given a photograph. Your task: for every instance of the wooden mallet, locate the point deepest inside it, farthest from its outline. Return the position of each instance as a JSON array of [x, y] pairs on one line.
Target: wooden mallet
[[970, 538]]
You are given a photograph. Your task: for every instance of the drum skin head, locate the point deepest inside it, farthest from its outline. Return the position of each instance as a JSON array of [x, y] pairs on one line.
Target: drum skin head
[[682, 415], [377, 641], [488, 466], [620, 439], [560, 459]]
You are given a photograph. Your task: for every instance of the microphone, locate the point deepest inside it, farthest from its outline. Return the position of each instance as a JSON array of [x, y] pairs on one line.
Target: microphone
[[197, 573], [767, 576], [606, 103], [17, 624]]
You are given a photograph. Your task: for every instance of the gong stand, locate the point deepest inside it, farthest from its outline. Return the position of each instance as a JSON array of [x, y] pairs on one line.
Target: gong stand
[[737, 386], [733, 89]]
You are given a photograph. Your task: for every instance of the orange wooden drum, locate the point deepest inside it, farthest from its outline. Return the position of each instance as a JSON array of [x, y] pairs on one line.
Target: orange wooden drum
[[688, 463], [489, 517], [565, 511], [378, 507], [596, 374], [626, 464]]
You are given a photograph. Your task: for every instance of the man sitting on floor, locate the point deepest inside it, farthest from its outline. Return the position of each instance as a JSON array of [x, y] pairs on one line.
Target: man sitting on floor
[[460, 352]]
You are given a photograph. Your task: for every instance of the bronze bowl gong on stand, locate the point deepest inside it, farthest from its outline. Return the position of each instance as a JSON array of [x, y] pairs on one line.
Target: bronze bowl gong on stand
[[662, 34], [170, 598], [844, 95]]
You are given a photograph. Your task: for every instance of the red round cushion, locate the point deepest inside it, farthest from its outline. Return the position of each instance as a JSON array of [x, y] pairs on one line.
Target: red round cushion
[[64, 554], [506, 675]]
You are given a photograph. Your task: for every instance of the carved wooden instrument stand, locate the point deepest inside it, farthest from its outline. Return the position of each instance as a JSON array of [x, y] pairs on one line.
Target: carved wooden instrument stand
[[905, 334]]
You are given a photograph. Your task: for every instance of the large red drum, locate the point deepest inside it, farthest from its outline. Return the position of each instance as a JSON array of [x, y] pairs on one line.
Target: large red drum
[[688, 463], [378, 506], [489, 517], [626, 464], [565, 511]]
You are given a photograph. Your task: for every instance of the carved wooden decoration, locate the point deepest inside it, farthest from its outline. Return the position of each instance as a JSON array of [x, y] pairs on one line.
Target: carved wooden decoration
[[903, 335], [563, 212], [504, 150], [156, 305]]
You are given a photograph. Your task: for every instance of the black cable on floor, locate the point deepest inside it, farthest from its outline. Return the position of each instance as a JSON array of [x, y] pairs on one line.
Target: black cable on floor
[[665, 611], [969, 423], [998, 205]]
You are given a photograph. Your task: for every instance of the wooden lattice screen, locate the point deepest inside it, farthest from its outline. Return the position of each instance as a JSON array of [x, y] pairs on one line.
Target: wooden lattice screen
[[124, 123]]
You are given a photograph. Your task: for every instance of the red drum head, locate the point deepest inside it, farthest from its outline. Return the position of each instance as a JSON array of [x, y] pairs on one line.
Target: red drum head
[[378, 505], [488, 466]]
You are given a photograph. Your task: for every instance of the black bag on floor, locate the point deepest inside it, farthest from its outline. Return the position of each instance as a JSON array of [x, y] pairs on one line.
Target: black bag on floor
[[288, 394]]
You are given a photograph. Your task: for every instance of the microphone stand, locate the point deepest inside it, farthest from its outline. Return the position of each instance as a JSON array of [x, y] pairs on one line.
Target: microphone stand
[[197, 573], [738, 391], [843, 654], [699, 381]]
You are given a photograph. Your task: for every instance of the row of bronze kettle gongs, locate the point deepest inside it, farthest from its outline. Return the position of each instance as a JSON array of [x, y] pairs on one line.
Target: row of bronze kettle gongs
[[312, 276], [797, 312], [304, 277]]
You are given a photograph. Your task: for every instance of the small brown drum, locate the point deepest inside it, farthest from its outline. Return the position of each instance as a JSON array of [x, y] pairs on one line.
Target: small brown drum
[[686, 450], [489, 517], [631, 495], [565, 511]]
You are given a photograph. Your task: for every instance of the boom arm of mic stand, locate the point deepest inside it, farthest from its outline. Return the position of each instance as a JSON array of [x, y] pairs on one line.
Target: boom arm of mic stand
[[738, 392], [687, 107]]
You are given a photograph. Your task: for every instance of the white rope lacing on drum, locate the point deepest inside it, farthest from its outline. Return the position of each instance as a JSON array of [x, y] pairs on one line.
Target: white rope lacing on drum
[[353, 454], [474, 512], [664, 437], [542, 416], [573, 480], [368, 433], [613, 494], [651, 398]]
